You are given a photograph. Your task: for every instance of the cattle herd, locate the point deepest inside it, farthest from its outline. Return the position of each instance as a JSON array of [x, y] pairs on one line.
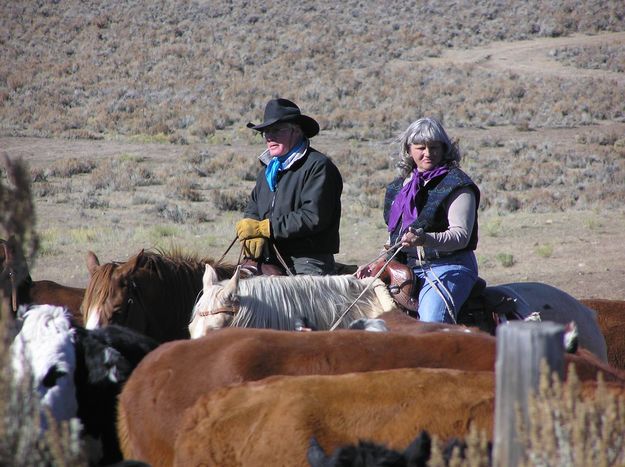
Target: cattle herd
[[119, 357]]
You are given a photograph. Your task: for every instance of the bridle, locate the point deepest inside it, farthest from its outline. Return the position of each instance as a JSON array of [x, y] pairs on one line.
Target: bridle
[[134, 296], [229, 310], [10, 273]]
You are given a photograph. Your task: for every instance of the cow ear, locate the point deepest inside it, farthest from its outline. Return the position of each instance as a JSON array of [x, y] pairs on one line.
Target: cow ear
[[231, 290], [210, 277], [92, 263]]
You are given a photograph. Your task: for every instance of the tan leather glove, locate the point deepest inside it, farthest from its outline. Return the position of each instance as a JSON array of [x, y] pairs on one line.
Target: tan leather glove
[[251, 228], [253, 248]]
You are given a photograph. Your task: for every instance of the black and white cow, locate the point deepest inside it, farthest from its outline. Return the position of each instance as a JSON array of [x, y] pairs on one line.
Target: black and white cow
[[79, 372]]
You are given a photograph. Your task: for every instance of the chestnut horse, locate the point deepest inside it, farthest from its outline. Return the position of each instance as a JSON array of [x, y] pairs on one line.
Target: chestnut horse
[[152, 293], [172, 377], [22, 290]]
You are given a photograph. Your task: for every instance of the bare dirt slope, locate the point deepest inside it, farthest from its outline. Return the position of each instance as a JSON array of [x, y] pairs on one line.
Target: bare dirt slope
[[582, 253], [532, 57]]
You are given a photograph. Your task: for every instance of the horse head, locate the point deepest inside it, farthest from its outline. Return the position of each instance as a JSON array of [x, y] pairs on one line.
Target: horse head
[[111, 292], [103, 296], [217, 305]]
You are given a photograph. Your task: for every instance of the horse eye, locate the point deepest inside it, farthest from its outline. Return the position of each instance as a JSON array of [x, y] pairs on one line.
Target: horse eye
[[53, 374]]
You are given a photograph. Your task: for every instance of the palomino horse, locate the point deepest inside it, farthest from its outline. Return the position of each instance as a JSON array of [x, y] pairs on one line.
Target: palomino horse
[[22, 290], [152, 293], [276, 302]]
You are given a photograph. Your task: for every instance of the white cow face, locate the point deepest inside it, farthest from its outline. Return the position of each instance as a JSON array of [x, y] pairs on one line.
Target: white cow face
[[44, 349]]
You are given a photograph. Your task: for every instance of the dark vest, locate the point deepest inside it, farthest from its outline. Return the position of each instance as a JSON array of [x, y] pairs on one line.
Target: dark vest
[[430, 204]]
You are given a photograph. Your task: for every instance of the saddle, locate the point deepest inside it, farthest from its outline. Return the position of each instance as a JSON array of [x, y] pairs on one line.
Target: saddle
[[486, 307], [255, 267]]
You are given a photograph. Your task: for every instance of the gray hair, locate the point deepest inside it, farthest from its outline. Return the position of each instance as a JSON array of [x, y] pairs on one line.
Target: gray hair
[[422, 131]]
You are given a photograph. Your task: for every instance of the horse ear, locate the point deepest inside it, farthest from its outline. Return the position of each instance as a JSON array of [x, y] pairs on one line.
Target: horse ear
[[210, 276], [232, 287], [92, 262], [133, 263]]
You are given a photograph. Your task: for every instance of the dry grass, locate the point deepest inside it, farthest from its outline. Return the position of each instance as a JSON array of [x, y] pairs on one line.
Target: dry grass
[[108, 70], [567, 428], [21, 444]]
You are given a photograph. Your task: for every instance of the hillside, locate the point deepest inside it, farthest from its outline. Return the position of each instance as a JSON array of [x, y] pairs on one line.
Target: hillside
[[132, 117]]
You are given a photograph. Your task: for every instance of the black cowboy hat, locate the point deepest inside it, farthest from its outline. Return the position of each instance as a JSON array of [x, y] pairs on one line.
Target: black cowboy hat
[[283, 110]]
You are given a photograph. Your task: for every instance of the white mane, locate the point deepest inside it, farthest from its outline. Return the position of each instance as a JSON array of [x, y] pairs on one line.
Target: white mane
[[43, 349], [278, 301]]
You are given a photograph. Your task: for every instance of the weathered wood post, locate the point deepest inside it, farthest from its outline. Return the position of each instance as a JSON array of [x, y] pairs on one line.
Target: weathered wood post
[[521, 346]]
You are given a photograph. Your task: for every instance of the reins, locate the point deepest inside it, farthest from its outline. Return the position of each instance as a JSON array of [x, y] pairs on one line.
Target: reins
[[397, 247], [228, 249], [275, 250]]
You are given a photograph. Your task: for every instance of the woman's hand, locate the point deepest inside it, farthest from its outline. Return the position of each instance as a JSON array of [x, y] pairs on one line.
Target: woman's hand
[[413, 237], [370, 269]]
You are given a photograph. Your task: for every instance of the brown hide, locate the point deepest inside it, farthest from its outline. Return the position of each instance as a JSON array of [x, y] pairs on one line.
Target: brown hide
[[172, 377], [48, 292], [29, 292], [611, 319], [398, 321], [270, 422]]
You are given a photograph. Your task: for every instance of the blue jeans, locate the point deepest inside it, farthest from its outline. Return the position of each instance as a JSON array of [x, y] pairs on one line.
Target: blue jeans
[[453, 276]]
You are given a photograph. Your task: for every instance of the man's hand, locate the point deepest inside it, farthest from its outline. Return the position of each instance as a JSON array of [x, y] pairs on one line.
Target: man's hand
[[251, 228], [253, 248]]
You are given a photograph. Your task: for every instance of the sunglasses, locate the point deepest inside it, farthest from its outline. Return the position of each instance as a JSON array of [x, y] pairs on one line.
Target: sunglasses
[[275, 131]]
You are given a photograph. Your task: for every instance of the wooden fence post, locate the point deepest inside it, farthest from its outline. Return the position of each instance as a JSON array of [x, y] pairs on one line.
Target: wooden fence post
[[521, 346]]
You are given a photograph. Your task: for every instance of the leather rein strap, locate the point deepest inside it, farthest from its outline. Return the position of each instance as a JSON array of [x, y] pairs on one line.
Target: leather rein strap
[[11, 274], [223, 309], [377, 276]]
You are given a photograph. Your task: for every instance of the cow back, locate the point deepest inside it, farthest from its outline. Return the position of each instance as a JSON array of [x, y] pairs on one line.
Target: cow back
[[172, 377], [270, 422]]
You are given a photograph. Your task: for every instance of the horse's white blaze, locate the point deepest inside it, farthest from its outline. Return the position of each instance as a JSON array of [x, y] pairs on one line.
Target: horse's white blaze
[[94, 318], [44, 349]]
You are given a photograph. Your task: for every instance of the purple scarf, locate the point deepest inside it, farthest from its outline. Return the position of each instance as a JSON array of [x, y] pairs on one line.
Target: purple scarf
[[404, 206]]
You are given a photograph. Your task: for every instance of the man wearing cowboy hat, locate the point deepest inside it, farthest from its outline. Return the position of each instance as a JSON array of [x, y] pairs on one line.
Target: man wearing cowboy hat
[[295, 207]]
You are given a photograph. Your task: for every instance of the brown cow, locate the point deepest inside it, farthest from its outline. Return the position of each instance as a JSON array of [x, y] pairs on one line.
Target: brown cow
[[611, 319], [270, 422], [172, 377]]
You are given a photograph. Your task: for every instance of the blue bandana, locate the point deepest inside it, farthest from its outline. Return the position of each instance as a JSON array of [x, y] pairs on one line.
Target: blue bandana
[[277, 165]]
